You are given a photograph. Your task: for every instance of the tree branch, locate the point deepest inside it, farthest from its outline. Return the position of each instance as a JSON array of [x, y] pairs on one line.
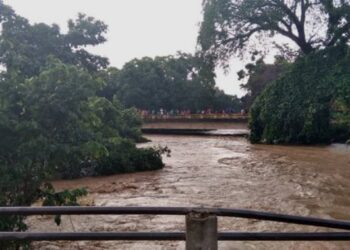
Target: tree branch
[[338, 34], [298, 24]]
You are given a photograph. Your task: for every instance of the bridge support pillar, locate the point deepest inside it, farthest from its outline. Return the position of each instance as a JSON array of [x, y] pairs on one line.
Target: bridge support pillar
[[201, 231]]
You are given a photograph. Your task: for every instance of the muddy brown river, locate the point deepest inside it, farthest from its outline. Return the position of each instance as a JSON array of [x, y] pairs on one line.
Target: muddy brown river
[[217, 171]]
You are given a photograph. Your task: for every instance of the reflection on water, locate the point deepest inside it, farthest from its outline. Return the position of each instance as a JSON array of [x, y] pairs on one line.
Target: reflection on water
[[218, 172]]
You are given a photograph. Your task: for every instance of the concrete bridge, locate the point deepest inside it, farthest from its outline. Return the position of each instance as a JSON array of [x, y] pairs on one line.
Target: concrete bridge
[[196, 118]]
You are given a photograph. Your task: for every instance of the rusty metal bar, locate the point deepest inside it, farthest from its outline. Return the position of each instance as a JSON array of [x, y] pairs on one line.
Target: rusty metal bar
[[173, 236], [291, 219], [95, 236], [82, 210], [237, 213], [299, 236]]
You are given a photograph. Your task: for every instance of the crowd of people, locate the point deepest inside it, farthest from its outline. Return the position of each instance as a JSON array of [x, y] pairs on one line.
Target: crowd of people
[[187, 112]]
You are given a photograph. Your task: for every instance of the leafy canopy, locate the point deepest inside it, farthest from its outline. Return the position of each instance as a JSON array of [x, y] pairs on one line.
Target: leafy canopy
[[172, 82], [308, 104], [24, 48], [258, 75], [232, 26]]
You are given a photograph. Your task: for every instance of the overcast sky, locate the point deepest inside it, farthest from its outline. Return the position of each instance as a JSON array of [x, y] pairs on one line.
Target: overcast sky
[[137, 28]]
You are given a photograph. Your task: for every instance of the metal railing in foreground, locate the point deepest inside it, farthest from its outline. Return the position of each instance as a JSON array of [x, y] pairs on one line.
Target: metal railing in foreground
[[201, 226]]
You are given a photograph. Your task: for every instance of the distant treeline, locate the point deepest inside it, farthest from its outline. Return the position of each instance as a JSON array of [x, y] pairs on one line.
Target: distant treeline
[[181, 82]]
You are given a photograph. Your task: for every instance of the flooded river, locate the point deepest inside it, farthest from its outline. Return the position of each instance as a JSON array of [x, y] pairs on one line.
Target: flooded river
[[223, 172]]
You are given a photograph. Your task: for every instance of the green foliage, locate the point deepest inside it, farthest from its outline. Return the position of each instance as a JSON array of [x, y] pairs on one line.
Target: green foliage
[[341, 103], [49, 197], [259, 75], [181, 82], [60, 120], [126, 158], [64, 198], [24, 48], [13, 223], [67, 197], [309, 104], [54, 122]]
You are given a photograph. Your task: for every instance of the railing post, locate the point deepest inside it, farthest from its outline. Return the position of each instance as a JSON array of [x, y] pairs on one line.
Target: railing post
[[201, 231]]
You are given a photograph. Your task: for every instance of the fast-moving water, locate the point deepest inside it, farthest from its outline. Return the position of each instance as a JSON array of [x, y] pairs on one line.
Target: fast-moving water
[[218, 172]]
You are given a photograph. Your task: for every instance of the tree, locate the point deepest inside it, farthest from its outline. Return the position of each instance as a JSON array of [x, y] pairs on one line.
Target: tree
[[308, 104], [258, 75], [230, 26], [24, 48]]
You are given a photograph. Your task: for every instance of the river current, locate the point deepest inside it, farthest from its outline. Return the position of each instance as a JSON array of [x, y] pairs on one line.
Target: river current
[[217, 171]]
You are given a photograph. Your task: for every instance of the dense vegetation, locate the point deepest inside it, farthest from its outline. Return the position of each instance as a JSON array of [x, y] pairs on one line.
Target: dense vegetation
[[309, 102], [53, 120], [181, 82], [258, 75]]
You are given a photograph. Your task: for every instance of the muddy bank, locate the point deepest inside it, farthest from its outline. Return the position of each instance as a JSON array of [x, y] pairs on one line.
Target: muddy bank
[[218, 172]]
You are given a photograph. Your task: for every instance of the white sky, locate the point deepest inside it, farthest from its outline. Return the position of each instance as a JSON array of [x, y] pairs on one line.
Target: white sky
[[137, 28]]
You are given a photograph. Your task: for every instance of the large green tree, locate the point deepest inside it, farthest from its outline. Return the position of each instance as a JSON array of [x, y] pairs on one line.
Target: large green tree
[[308, 104], [24, 48], [230, 26]]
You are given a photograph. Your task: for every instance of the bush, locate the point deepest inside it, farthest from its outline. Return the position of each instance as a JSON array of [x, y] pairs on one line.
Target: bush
[[126, 158], [308, 104]]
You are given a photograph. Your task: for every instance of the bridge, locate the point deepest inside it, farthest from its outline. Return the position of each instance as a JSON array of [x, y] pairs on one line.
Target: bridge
[[201, 226], [197, 124]]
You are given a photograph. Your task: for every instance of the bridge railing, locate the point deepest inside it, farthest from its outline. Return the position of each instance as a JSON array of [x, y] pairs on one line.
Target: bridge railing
[[201, 226]]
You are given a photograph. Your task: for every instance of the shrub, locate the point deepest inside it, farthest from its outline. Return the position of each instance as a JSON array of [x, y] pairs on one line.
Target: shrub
[[126, 158], [302, 107]]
